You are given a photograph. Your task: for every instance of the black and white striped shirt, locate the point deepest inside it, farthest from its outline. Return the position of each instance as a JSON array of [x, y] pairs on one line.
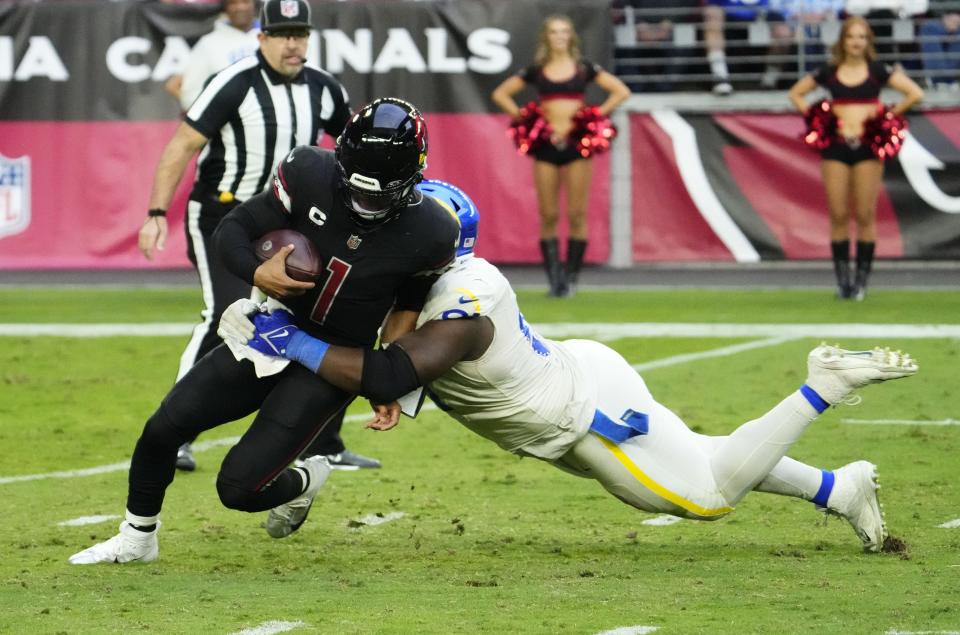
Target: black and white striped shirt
[[253, 116]]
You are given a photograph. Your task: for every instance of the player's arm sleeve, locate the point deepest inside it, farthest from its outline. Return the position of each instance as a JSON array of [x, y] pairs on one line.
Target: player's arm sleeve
[[244, 224], [415, 359], [418, 357], [264, 212], [379, 375]]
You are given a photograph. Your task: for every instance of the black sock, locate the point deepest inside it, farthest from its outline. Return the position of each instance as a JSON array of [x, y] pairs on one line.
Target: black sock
[[306, 477], [145, 528]]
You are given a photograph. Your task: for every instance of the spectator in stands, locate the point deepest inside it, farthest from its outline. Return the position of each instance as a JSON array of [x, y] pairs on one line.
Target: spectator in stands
[[803, 21], [940, 47], [716, 15], [657, 48], [561, 75], [851, 170], [231, 39]]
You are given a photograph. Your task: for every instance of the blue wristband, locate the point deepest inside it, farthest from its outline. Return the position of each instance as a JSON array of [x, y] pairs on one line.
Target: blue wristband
[[306, 350]]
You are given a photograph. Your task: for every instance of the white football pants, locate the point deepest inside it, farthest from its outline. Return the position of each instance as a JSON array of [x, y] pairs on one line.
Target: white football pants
[[677, 471]]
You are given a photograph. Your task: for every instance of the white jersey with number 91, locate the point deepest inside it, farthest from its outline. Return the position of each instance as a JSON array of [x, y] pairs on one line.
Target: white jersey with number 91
[[526, 393]]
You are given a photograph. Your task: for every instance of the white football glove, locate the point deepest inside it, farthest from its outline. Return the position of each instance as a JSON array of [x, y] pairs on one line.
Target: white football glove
[[235, 324]]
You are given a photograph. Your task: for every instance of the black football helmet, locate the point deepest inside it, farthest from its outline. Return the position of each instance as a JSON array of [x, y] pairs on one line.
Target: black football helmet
[[381, 155]]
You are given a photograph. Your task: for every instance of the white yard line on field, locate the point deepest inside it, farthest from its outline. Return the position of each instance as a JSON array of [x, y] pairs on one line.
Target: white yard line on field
[[604, 331], [375, 519], [902, 422], [199, 446], [87, 520], [894, 631], [271, 627], [662, 520], [950, 524], [609, 331], [717, 352], [96, 330], [596, 330], [631, 630]]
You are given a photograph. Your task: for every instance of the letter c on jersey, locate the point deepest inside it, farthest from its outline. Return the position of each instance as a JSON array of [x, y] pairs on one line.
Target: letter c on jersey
[[317, 217]]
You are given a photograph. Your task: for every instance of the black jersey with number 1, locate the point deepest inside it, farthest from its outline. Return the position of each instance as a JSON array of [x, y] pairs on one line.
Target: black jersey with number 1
[[369, 269]]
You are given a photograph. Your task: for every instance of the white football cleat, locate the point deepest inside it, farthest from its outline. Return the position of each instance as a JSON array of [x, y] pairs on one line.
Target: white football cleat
[[834, 372], [285, 519], [130, 545], [854, 498]]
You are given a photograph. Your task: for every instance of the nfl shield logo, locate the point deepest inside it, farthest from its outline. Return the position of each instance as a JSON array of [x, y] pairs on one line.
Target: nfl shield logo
[[289, 8], [14, 195], [353, 242]]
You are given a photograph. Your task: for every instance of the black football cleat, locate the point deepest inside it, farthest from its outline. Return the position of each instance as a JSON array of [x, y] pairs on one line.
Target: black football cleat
[[185, 460]]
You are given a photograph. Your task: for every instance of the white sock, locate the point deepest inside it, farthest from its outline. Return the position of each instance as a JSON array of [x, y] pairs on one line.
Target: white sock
[[141, 521], [748, 455], [718, 64], [790, 477]]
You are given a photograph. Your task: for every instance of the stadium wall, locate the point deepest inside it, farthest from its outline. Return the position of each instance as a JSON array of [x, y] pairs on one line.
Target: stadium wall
[[83, 119]]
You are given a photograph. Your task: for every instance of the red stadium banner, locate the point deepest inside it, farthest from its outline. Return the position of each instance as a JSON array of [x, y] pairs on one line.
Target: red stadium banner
[[743, 187], [87, 201], [83, 114], [83, 119]]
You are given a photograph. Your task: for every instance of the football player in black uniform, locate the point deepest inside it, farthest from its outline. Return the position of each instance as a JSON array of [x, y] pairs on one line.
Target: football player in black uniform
[[382, 242]]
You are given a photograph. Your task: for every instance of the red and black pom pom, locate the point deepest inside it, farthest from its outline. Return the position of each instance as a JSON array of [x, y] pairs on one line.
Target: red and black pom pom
[[592, 131], [822, 127], [885, 133], [529, 130]]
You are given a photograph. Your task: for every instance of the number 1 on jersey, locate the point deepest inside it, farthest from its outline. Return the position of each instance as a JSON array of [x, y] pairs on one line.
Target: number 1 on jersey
[[331, 287]]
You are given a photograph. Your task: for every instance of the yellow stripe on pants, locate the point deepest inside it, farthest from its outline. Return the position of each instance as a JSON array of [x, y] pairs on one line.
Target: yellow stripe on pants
[[658, 489]]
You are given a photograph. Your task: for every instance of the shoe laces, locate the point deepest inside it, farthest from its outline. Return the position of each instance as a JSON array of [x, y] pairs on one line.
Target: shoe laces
[[300, 503], [850, 400]]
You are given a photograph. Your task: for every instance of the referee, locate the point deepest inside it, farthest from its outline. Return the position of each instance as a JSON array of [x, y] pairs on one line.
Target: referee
[[247, 118]]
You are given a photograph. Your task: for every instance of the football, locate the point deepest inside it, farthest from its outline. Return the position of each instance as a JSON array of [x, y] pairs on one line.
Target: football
[[303, 263]]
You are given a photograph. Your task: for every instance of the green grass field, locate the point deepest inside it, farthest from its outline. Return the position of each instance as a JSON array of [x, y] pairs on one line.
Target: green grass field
[[488, 543]]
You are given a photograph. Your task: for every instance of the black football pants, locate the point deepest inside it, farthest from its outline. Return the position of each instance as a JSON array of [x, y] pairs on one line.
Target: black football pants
[[294, 407], [220, 289]]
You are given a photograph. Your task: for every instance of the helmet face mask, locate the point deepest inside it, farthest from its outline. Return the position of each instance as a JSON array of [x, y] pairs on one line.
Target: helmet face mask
[[381, 155]]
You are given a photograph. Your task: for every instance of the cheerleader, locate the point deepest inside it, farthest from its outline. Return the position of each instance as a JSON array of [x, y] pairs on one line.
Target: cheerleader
[[561, 136], [855, 134]]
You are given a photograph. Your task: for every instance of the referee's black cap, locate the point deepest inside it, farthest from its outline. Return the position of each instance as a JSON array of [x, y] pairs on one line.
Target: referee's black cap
[[284, 15]]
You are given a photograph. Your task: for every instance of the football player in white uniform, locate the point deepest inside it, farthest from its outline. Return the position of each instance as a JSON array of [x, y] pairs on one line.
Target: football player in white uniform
[[580, 406]]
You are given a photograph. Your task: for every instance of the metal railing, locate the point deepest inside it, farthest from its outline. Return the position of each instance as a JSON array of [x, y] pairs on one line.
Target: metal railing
[[678, 62]]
